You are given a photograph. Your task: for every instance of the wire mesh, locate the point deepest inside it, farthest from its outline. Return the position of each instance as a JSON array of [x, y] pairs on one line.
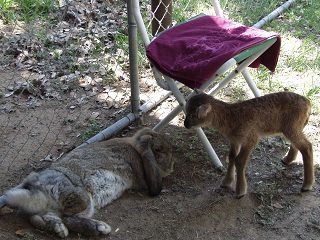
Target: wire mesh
[[64, 76]]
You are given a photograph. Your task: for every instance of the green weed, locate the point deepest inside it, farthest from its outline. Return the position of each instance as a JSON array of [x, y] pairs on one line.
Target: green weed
[[185, 9], [298, 68], [93, 128], [25, 10]]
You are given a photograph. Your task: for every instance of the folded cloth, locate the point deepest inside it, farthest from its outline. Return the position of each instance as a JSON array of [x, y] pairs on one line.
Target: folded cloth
[[193, 51]]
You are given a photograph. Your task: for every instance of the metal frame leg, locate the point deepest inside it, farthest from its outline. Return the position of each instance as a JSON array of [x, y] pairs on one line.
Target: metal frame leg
[[251, 83], [208, 147]]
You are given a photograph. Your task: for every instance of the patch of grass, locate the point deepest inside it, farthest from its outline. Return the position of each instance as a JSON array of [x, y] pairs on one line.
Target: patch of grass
[[25, 10], [248, 12], [266, 212], [298, 69], [301, 20], [270, 212], [277, 169], [268, 215], [238, 93], [185, 9], [93, 128], [314, 91], [267, 192]]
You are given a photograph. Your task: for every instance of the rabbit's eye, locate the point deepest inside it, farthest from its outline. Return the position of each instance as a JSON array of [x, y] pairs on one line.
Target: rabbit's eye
[[158, 148], [29, 186]]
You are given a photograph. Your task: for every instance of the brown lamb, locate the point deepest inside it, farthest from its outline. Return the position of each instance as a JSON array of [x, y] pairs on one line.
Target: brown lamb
[[244, 123]]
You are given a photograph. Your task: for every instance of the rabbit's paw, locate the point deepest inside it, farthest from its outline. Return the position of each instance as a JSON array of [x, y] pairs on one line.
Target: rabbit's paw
[[86, 226], [102, 227], [51, 223], [61, 230]]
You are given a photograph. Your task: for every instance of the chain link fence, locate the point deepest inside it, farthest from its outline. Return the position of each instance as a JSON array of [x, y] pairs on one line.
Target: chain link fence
[[63, 76]]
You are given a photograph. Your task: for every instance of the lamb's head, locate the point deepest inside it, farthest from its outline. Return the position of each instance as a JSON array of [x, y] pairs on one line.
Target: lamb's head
[[197, 109]]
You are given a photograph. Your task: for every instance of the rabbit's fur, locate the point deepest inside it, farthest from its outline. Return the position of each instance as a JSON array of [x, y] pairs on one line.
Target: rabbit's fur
[[244, 123], [63, 197]]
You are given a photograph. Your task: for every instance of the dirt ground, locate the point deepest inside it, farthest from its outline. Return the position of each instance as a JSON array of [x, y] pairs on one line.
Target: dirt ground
[[191, 206]]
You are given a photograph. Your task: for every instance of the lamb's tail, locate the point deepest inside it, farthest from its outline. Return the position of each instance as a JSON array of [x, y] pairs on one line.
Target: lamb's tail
[[308, 113]]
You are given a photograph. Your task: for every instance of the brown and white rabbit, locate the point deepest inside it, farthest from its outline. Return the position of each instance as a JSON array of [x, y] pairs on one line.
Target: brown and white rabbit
[[244, 123], [64, 196]]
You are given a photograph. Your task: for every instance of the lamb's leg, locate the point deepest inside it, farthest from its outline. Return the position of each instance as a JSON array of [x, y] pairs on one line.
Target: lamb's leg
[[241, 162], [305, 147], [291, 155], [86, 226], [51, 223], [230, 175], [300, 142]]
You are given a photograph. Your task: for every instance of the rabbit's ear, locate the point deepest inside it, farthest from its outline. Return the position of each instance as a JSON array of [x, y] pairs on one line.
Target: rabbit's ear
[[153, 176]]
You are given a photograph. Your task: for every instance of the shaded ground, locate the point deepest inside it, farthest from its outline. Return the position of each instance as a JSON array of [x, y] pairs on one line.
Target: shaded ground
[[191, 205]]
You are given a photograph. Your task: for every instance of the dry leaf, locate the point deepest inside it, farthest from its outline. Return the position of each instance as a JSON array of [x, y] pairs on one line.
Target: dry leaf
[[277, 205], [24, 232], [94, 115], [6, 210]]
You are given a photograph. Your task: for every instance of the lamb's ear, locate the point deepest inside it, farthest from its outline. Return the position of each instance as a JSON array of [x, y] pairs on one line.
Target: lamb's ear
[[203, 110], [153, 176]]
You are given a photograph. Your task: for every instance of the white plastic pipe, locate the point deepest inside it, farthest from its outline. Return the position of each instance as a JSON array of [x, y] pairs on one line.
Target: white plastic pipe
[[273, 14], [127, 120], [217, 8]]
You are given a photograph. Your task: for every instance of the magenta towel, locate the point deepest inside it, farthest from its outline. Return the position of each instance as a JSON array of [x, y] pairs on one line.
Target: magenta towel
[[193, 51]]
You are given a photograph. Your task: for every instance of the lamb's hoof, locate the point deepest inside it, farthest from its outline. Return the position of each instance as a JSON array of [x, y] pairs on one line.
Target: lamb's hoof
[[284, 163], [240, 196], [224, 186], [305, 189]]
